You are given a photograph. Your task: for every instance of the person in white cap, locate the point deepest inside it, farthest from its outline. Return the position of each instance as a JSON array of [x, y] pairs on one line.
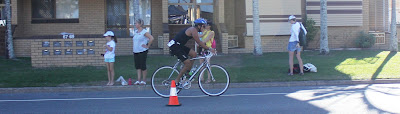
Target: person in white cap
[[109, 56], [294, 45]]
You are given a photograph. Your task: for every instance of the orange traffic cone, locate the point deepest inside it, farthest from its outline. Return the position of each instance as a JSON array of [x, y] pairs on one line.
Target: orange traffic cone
[[173, 97]]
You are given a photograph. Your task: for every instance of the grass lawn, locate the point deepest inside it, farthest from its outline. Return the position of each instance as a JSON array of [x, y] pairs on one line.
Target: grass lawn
[[339, 65]]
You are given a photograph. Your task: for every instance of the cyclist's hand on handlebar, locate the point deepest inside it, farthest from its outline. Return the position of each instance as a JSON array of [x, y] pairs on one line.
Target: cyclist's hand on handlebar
[[213, 50]]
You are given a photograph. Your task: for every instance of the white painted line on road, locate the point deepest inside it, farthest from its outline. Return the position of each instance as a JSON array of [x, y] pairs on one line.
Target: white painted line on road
[[120, 98], [259, 94], [79, 99]]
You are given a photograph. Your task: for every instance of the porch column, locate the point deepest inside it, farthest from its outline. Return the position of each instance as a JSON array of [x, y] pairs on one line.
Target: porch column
[[165, 26], [14, 12], [220, 23]]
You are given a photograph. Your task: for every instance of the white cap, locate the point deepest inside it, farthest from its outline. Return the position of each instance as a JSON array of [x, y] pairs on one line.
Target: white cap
[[108, 33], [292, 17]]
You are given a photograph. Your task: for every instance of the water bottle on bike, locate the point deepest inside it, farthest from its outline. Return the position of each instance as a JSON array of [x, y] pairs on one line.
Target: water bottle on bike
[[192, 70]]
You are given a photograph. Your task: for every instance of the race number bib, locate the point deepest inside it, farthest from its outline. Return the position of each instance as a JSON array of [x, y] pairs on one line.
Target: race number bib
[[170, 43]]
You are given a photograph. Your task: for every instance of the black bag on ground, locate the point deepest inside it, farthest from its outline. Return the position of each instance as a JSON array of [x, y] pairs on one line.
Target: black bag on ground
[[296, 69], [302, 37]]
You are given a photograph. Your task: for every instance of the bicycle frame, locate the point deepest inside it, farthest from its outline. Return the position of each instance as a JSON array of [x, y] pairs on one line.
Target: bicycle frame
[[205, 63]]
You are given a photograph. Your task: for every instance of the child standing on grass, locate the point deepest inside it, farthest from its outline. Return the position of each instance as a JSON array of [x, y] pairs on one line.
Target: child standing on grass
[[109, 56]]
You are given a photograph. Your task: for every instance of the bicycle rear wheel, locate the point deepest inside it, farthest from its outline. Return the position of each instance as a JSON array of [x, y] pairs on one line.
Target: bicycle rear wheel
[[161, 80], [219, 80]]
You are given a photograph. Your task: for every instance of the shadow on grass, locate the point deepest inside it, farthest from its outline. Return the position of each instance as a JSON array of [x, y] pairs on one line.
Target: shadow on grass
[[379, 70]]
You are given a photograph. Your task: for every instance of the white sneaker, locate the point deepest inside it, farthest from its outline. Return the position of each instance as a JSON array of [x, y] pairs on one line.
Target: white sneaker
[[137, 83], [142, 83]]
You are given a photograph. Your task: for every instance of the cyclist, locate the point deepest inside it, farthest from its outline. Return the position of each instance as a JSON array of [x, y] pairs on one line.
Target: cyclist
[[177, 46]]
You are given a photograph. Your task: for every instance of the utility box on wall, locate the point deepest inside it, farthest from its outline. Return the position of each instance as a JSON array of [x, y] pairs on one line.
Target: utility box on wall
[[67, 52]]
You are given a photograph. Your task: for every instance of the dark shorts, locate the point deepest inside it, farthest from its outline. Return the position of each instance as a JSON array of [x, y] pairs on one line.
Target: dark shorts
[[182, 52], [140, 60]]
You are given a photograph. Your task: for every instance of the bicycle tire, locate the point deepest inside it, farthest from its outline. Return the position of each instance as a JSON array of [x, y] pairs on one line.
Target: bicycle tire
[[219, 85], [161, 80]]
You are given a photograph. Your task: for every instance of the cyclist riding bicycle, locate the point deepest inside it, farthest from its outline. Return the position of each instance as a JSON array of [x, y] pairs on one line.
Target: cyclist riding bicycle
[[177, 46]]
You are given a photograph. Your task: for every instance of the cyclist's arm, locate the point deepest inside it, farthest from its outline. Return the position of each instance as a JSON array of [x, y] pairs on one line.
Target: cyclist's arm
[[196, 38]]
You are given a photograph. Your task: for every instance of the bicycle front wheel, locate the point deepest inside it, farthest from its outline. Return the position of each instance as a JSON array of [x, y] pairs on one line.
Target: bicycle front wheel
[[161, 80], [214, 81]]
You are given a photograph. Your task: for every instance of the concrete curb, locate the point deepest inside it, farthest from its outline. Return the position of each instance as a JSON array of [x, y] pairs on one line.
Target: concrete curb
[[232, 85]]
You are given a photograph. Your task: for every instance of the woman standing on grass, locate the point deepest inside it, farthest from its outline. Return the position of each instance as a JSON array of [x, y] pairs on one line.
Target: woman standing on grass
[[109, 56], [142, 40], [294, 45], [207, 38]]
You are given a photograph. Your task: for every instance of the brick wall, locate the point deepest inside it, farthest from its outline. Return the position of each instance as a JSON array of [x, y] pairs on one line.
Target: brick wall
[[339, 37], [22, 47], [156, 21], [91, 20], [2, 41], [39, 60], [269, 44], [124, 46]]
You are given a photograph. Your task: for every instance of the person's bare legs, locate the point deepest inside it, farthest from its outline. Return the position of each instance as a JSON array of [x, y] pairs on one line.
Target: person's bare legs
[[300, 61], [139, 74], [144, 75], [112, 73], [209, 75], [201, 62], [202, 75], [108, 73], [187, 65], [291, 53]]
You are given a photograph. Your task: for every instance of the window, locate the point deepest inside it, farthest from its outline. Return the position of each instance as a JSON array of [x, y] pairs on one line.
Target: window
[[121, 16], [186, 11], [55, 11], [144, 13], [2, 10]]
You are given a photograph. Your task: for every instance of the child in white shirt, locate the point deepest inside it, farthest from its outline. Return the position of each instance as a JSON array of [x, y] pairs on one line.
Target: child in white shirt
[[109, 56]]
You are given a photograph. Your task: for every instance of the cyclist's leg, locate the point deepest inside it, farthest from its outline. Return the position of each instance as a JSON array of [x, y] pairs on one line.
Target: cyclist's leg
[[183, 54], [187, 65]]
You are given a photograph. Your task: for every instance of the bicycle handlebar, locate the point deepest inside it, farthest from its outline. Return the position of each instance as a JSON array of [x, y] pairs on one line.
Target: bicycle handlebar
[[205, 55]]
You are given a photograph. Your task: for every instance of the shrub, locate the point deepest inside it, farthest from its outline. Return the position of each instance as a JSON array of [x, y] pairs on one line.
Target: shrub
[[311, 29], [365, 40]]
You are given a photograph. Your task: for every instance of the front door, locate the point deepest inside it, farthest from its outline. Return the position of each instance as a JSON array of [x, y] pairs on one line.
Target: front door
[[117, 19]]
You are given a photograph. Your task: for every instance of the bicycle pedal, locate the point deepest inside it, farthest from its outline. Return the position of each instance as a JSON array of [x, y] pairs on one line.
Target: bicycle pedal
[[187, 84]]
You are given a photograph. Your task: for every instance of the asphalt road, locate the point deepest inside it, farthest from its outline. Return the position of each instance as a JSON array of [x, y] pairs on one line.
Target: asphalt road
[[362, 98]]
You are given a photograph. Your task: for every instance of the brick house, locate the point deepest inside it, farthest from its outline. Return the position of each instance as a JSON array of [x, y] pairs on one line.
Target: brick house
[[46, 19]]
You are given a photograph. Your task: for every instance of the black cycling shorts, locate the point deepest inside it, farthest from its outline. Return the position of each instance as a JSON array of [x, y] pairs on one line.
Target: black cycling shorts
[[182, 52]]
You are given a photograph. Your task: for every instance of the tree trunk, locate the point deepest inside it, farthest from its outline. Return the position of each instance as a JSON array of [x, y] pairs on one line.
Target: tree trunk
[[10, 45], [393, 35], [324, 45], [256, 29]]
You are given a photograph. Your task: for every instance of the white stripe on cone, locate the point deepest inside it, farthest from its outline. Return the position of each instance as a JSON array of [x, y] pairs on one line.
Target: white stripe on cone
[[173, 92]]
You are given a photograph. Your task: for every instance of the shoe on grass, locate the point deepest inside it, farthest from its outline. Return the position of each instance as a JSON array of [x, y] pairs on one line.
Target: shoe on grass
[[137, 83], [142, 83]]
